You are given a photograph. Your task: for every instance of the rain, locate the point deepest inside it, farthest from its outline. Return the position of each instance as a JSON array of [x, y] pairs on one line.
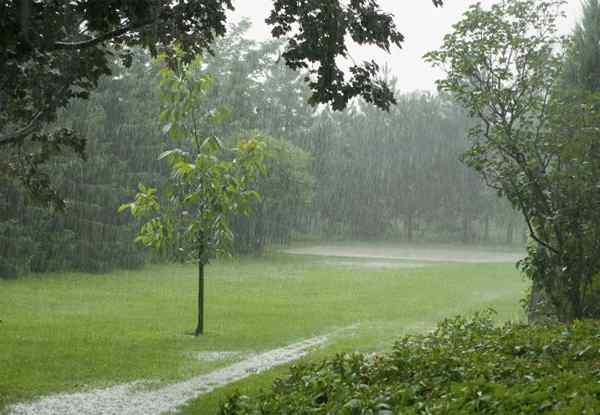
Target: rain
[[354, 207]]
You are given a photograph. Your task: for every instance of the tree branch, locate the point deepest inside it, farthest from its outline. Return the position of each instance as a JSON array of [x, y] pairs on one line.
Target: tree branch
[[530, 227], [21, 134], [102, 38]]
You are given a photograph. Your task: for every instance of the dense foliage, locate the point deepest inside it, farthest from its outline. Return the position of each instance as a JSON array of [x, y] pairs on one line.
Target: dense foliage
[[583, 55], [120, 122], [466, 366], [52, 52], [397, 175], [285, 190]]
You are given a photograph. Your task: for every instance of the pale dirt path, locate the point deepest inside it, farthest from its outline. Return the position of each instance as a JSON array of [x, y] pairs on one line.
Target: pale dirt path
[[132, 399], [425, 254]]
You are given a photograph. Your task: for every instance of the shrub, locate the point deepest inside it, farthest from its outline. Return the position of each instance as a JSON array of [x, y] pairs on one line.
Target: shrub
[[465, 366]]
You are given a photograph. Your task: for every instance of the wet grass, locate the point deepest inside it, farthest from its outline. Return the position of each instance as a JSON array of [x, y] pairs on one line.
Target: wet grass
[[66, 332]]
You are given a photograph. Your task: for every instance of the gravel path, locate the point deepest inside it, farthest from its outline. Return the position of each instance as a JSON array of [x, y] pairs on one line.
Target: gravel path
[[133, 399]]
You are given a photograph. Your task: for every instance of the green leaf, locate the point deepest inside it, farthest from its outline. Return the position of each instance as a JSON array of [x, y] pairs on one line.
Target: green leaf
[[211, 144], [183, 168], [176, 154], [125, 206], [222, 114], [167, 128]]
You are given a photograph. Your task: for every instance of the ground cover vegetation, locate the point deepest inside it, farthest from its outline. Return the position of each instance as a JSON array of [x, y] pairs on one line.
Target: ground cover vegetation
[[73, 332], [467, 366]]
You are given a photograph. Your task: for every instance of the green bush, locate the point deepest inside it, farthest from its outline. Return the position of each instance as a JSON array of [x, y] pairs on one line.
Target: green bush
[[465, 366]]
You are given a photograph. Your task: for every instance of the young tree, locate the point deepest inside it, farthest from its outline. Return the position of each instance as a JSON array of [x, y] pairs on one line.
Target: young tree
[[208, 183], [532, 144]]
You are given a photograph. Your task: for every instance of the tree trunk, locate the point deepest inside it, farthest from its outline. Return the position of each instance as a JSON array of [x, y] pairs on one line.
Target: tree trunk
[[200, 327], [486, 228], [509, 233], [466, 228], [536, 306], [408, 224]]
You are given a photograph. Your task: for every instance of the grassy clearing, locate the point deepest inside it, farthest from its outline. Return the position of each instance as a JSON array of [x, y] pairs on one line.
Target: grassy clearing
[[68, 332]]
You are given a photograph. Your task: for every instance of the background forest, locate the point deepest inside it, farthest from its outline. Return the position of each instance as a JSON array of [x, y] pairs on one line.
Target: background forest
[[360, 174]]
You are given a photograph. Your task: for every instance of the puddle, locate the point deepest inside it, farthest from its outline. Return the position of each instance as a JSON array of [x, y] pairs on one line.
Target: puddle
[[411, 254], [372, 264]]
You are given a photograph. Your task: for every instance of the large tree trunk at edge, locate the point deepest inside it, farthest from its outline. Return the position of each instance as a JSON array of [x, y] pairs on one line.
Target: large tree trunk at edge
[[200, 327]]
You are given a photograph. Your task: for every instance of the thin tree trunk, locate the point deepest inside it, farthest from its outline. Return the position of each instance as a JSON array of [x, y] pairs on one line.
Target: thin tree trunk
[[466, 225], [509, 233], [409, 227], [486, 229], [200, 327]]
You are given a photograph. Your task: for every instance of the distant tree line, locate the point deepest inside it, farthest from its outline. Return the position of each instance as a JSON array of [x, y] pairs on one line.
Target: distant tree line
[[398, 175], [362, 173]]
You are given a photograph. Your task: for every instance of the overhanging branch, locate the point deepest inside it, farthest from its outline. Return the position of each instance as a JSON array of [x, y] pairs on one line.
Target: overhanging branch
[[102, 38], [532, 232], [22, 133]]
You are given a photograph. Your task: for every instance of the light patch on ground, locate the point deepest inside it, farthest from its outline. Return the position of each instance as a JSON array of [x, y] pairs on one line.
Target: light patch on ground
[[414, 327], [371, 264], [490, 295], [216, 356], [132, 399], [419, 327], [411, 253]]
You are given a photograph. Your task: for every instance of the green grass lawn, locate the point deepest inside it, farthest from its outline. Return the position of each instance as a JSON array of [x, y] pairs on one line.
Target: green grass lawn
[[67, 332]]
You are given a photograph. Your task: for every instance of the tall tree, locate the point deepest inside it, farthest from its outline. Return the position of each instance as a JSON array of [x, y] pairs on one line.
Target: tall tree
[[531, 143]]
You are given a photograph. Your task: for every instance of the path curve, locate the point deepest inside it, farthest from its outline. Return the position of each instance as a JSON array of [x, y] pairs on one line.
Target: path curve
[[131, 399]]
